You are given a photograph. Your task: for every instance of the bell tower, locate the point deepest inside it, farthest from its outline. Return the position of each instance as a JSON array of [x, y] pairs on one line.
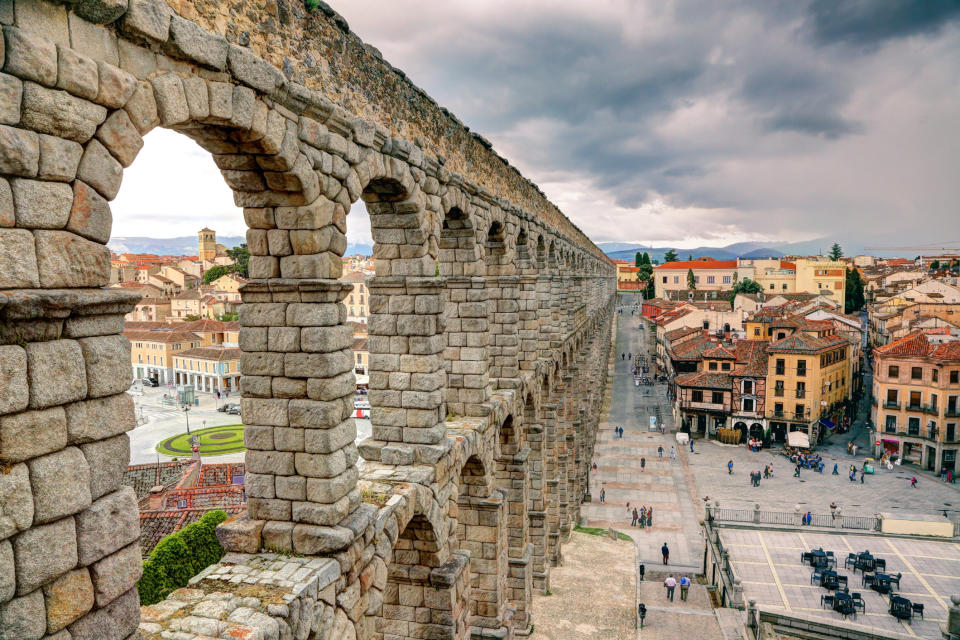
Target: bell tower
[[207, 244]]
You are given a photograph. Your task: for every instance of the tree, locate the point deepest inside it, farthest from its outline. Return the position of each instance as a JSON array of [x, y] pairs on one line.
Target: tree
[[645, 258], [689, 257], [670, 256], [854, 291], [744, 286], [836, 252], [214, 272], [644, 272], [241, 259], [191, 317], [934, 265], [638, 259], [691, 280]]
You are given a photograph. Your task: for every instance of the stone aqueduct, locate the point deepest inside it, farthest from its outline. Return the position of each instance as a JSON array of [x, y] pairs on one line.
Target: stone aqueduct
[[489, 335]]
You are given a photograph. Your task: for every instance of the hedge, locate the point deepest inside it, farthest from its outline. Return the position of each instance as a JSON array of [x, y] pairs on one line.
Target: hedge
[[180, 556]]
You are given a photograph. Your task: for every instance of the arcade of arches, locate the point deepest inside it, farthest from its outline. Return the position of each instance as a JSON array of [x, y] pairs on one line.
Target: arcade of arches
[[489, 337]]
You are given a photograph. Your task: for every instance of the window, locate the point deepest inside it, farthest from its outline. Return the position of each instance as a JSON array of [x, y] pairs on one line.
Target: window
[[933, 401], [892, 396], [916, 373], [725, 366], [711, 279], [784, 286], [664, 279], [696, 395], [748, 386], [955, 376], [798, 410], [717, 397], [913, 426], [712, 365], [801, 389], [696, 279], [771, 286], [951, 432], [781, 366], [893, 371], [915, 399], [706, 325], [936, 375], [756, 331], [801, 367], [726, 279], [952, 405], [748, 404], [891, 425], [181, 504], [778, 388], [676, 279]]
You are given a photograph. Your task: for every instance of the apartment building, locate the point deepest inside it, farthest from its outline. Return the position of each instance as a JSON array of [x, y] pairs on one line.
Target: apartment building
[[916, 401], [357, 301], [807, 379], [152, 352], [708, 274], [209, 369]]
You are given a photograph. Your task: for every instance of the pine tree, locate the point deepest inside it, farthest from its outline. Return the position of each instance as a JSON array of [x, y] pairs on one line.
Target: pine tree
[[691, 280], [836, 252], [638, 260], [670, 256]]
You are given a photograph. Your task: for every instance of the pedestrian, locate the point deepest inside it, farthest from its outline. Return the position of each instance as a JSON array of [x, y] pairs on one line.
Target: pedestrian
[[665, 552], [730, 468], [854, 451], [660, 452], [623, 356], [684, 587], [836, 470], [949, 477], [691, 445], [673, 455], [671, 584], [796, 471], [630, 355], [603, 495], [635, 516], [862, 474], [621, 433], [649, 517], [913, 482], [643, 518], [594, 467], [809, 518], [643, 463]]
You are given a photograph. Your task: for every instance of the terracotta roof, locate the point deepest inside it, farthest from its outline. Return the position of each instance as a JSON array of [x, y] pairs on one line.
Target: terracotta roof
[[681, 333], [753, 356], [803, 342], [189, 294], [156, 525], [219, 354], [697, 264], [705, 379], [353, 276], [161, 336], [788, 265], [359, 344], [208, 325], [718, 352]]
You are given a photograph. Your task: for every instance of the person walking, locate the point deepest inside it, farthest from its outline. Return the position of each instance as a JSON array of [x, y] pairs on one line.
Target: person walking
[[684, 586], [691, 445], [836, 471], [665, 552], [913, 482], [649, 517], [643, 463], [673, 455], [671, 584], [603, 495], [635, 517], [863, 474], [621, 433], [730, 468], [660, 452], [643, 517]]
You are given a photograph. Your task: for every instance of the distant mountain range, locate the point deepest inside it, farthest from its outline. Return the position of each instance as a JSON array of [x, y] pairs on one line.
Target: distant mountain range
[[817, 246], [187, 245]]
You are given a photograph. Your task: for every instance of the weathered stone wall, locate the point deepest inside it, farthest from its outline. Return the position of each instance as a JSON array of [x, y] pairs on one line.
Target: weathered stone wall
[[489, 325]]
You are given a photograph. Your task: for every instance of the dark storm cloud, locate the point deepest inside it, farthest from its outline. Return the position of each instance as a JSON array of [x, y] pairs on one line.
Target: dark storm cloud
[[746, 108], [871, 22]]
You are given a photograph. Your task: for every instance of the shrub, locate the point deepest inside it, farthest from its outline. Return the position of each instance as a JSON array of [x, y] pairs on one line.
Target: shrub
[[179, 557]]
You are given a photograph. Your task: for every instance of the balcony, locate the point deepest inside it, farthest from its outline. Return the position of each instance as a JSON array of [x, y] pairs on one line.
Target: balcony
[[914, 407], [931, 409], [890, 428], [778, 393], [797, 416], [891, 405], [952, 412], [706, 406], [801, 393]]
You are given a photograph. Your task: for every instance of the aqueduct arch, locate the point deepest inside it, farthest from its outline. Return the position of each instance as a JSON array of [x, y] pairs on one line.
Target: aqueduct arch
[[490, 324]]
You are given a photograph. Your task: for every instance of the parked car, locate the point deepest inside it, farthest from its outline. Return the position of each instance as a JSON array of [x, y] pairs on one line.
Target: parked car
[[150, 382], [231, 408]]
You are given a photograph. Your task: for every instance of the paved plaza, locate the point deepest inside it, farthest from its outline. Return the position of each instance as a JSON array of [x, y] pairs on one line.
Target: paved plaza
[[768, 563]]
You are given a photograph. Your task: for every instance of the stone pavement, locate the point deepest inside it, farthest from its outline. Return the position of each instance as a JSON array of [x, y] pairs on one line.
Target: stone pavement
[[663, 485], [666, 620]]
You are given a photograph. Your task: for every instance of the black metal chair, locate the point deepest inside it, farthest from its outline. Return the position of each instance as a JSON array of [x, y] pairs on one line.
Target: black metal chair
[[826, 600], [816, 577], [880, 565], [917, 608], [868, 580], [896, 579], [851, 561], [842, 580], [806, 557], [858, 602]]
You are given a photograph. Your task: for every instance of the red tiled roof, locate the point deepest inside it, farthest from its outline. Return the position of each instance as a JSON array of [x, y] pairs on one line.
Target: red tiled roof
[[706, 379], [719, 353], [218, 354], [805, 343], [161, 336], [697, 264], [788, 265]]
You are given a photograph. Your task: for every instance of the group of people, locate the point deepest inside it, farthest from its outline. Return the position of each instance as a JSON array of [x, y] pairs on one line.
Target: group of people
[[618, 432], [671, 585], [755, 476], [755, 444], [642, 516]]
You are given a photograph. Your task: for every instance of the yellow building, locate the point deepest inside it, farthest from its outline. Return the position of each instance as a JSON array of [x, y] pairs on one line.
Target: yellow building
[[357, 301], [807, 380], [152, 352], [823, 276], [207, 244], [209, 369], [916, 401], [708, 274]]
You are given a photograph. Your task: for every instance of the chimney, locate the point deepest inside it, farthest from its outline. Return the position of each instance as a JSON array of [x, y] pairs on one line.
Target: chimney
[[155, 498]]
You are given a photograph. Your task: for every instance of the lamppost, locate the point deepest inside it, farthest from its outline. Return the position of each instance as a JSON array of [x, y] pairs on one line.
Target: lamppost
[[186, 411]]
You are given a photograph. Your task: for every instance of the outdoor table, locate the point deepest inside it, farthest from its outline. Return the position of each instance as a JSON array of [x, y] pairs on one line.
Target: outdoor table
[[881, 583], [865, 562], [843, 603], [900, 608], [818, 558]]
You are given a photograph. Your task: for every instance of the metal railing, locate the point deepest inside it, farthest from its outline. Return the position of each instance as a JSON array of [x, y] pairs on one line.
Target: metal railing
[[866, 523]]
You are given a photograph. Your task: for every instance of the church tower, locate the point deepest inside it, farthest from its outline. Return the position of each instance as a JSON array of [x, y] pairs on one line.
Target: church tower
[[207, 245]]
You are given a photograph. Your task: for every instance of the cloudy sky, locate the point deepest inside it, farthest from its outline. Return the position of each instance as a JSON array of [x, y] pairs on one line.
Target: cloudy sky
[[687, 122]]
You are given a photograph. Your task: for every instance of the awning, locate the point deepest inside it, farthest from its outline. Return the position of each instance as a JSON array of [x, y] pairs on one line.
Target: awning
[[828, 424], [798, 439]]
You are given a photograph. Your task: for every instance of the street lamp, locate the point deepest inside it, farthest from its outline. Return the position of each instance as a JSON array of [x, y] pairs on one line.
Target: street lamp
[[186, 411]]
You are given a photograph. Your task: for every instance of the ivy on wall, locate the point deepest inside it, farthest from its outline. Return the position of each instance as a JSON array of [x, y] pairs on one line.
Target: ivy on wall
[[180, 556]]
